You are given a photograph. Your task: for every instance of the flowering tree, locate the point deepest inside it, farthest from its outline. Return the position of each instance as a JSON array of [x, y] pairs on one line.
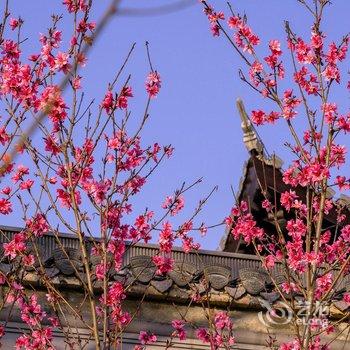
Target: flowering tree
[[79, 174], [86, 165], [315, 258]]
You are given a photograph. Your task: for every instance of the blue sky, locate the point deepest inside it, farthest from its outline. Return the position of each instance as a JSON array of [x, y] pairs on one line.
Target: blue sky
[[195, 110]]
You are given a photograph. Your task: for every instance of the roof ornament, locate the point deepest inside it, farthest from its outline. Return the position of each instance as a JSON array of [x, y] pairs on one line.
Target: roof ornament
[[252, 141], [250, 138]]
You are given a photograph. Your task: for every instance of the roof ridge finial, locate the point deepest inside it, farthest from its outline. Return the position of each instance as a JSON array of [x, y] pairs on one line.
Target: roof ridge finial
[[250, 138]]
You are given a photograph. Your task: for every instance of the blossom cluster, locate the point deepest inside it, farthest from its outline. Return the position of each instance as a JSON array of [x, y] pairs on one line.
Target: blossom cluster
[[221, 336]]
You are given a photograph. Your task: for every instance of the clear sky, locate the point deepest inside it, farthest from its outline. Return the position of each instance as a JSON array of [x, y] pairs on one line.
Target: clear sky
[[195, 110]]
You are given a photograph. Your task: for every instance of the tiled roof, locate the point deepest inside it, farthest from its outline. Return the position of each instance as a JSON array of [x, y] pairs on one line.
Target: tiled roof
[[225, 278]]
